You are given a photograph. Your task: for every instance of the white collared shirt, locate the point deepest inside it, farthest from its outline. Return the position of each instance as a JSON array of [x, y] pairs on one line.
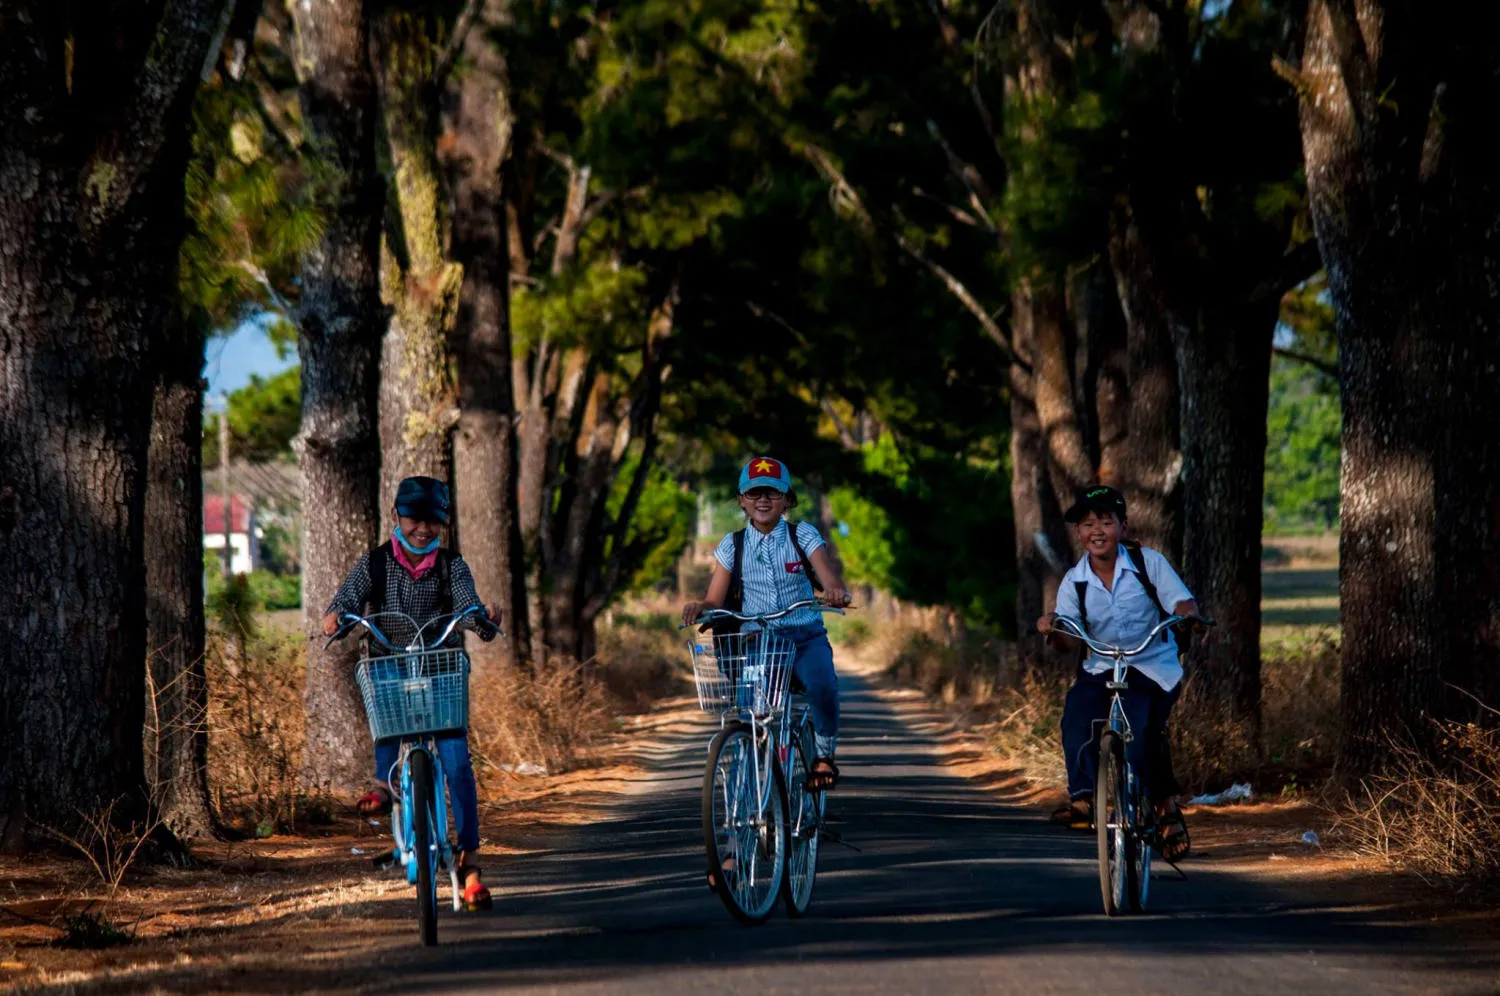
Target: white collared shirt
[[1122, 614], [771, 571]]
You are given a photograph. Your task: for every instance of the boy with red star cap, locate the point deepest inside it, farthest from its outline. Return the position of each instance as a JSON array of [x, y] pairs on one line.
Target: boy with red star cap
[[777, 563]]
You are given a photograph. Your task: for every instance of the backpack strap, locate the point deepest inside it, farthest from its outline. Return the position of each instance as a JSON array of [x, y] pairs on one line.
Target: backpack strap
[[444, 569], [1138, 561], [1082, 587], [379, 566], [807, 567]]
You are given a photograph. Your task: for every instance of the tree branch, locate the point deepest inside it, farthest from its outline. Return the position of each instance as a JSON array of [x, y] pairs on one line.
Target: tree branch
[[455, 44], [154, 110], [958, 290], [1322, 365], [1297, 264]]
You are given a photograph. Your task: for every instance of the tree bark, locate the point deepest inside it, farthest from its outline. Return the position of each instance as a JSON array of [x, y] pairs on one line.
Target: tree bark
[[1227, 362], [178, 754], [419, 284], [339, 323], [484, 447], [1042, 545], [1405, 206], [91, 208], [1152, 467]]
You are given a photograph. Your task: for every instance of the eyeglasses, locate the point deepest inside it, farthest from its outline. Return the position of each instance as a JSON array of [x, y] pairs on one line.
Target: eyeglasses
[[768, 494]]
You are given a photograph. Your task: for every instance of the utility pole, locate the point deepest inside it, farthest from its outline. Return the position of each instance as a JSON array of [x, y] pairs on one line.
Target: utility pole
[[224, 489]]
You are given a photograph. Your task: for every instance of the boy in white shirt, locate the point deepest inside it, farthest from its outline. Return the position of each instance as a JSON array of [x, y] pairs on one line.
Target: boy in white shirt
[[1120, 594]]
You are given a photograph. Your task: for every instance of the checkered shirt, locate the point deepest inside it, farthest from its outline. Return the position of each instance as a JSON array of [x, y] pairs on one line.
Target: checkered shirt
[[416, 597]]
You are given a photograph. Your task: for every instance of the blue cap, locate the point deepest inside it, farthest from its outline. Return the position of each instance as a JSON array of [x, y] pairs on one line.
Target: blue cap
[[765, 472], [424, 498]]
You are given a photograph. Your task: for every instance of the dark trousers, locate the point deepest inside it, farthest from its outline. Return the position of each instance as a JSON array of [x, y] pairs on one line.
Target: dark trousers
[[1147, 707]]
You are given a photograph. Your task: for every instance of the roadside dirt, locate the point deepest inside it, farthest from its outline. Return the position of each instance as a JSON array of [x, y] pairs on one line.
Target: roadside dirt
[[251, 905]]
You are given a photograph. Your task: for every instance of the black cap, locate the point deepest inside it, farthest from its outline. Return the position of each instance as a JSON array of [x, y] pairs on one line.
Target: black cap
[[1099, 498], [424, 498]]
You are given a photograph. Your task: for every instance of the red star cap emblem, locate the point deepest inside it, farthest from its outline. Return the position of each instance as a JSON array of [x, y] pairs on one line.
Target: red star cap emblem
[[765, 467]]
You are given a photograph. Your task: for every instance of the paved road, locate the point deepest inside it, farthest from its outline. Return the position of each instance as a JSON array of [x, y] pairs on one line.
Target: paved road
[[954, 892]]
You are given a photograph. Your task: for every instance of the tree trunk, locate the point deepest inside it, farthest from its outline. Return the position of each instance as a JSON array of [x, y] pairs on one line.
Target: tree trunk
[[178, 755], [1408, 241], [339, 323], [484, 447], [1225, 366], [91, 188], [1042, 546], [1152, 466], [420, 286]]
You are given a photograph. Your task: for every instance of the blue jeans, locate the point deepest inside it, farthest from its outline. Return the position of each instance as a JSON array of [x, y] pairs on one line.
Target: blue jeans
[[814, 668], [1147, 708], [458, 770]]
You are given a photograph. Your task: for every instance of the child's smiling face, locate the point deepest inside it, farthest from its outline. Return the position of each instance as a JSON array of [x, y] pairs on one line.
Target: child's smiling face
[[1099, 533], [419, 532], [764, 506]]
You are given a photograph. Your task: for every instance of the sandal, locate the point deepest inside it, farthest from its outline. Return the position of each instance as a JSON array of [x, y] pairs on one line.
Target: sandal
[[726, 869], [475, 895], [1172, 837], [376, 802], [1077, 814], [824, 776]]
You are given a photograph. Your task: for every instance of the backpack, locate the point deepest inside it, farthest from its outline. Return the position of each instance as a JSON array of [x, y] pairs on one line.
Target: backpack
[[735, 600], [381, 559], [1133, 551]]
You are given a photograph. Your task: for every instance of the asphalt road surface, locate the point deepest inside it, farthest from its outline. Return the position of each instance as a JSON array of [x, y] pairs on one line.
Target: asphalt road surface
[[953, 892]]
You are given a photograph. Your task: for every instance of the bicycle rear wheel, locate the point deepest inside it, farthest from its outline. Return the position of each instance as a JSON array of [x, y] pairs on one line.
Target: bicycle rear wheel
[[424, 853], [744, 824], [1112, 825], [805, 820]]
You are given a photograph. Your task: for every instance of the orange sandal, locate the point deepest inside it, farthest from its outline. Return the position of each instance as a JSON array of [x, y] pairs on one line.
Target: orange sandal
[[476, 896], [376, 802]]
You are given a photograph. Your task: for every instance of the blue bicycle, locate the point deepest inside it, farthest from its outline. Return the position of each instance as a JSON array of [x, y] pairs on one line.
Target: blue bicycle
[[414, 694]]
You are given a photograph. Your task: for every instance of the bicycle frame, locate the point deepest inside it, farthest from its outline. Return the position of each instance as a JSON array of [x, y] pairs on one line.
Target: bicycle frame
[[402, 811], [768, 732]]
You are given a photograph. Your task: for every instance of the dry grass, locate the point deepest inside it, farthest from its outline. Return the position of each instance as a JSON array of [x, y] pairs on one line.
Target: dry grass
[[1437, 815], [255, 722]]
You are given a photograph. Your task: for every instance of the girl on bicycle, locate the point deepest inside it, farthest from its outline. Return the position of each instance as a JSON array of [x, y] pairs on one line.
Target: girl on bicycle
[[774, 566], [1120, 592], [414, 575]]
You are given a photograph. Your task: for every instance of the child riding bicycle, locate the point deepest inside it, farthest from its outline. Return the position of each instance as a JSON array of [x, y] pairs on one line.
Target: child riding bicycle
[[769, 565], [414, 575], [1119, 592]]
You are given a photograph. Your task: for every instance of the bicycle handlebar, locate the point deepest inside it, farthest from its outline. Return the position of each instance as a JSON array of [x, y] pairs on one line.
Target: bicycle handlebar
[[348, 621], [806, 603], [1105, 650]]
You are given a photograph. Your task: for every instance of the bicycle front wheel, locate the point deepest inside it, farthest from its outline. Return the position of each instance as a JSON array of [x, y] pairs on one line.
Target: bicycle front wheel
[[1112, 826], [424, 853], [805, 823], [744, 821]]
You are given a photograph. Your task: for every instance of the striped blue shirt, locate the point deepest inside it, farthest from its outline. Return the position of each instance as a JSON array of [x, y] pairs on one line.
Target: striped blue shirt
[[772, 573]]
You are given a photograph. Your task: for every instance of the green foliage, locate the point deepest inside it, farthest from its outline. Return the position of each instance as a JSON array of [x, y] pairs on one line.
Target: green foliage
[[263, 418], [279, 549], [248, 209], [926, 528], [660, 529], [1302, 448]]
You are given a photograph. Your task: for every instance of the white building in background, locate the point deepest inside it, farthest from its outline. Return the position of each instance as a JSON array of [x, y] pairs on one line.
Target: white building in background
[[243, 533]]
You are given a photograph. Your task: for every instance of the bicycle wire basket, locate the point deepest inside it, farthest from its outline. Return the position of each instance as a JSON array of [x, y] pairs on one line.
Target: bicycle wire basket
[[414, 693], [743, 672]]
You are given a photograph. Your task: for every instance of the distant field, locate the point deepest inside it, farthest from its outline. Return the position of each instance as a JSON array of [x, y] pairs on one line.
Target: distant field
[[1300, 586]]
